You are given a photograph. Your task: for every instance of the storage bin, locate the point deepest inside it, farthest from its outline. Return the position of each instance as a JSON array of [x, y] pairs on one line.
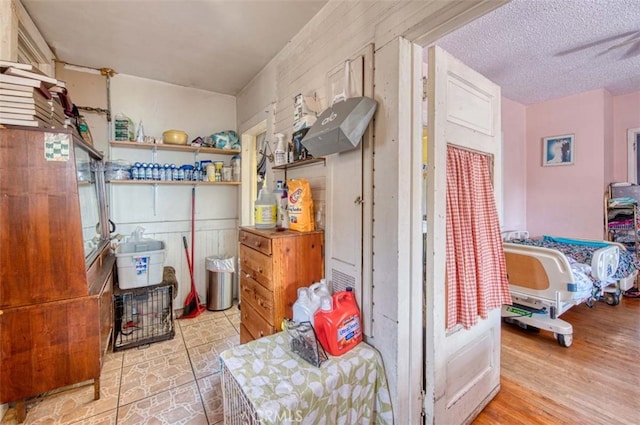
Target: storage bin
[[140, 263]]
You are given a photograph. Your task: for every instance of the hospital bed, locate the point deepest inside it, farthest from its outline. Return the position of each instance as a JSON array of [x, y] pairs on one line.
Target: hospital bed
[[548, 277]]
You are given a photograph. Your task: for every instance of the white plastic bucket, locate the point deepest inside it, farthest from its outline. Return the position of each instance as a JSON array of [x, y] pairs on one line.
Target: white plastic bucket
[[139, 264]]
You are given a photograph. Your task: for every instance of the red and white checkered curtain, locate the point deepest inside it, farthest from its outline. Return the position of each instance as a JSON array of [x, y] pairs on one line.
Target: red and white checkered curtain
[[476, 269]]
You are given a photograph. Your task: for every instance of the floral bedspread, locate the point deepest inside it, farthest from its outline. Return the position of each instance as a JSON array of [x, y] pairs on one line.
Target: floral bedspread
[[583, 253], [283, 388]]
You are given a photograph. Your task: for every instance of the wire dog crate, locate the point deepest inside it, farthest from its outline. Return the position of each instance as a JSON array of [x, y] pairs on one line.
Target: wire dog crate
[[238, 410], [143, 316]]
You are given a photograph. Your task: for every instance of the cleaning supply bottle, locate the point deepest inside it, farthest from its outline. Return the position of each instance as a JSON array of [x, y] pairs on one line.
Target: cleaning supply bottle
[[280, 153], [338, 324], [302, 307], [282, 203], [265, 209], [277, 193], [316, 292]]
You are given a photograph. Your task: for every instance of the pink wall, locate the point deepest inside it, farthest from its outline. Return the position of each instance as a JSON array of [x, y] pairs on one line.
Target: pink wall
[[513, 171], [567, 200], [626, 115], [609, 149]]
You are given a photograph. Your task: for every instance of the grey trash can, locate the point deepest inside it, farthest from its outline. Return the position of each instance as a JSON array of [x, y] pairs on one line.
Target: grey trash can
[[220, 272]]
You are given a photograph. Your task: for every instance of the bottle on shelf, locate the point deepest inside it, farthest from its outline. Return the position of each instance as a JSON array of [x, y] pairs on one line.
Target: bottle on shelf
[[265, 209], [291, 152], [280, 153], [282, 204]]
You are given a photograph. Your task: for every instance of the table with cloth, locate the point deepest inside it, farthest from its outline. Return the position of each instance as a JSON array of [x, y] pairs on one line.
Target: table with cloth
[[265, 383]]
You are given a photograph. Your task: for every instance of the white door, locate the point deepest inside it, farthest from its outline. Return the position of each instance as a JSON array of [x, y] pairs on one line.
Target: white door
[[346, 193], [462, 366]]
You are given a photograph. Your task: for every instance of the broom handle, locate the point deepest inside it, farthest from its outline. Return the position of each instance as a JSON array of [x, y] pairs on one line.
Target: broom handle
[[193, 233], [186, 249]]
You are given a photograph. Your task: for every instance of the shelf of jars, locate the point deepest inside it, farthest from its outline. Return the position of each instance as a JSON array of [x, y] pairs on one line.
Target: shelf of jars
[[175, 148], [174, 183]]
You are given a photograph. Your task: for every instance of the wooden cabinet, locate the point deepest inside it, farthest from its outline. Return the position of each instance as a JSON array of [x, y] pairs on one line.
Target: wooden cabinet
[[57, 268], [273, 266]]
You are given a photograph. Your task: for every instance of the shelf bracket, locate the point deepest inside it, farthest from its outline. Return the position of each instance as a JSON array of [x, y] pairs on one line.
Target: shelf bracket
[[155, 199]]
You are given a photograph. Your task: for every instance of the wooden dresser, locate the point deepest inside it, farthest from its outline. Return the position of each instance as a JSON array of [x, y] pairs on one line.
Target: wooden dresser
[[56, 273], [273, 266]]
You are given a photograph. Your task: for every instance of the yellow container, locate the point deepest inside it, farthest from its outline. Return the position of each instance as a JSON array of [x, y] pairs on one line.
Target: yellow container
[[174, 137], [211, 172]]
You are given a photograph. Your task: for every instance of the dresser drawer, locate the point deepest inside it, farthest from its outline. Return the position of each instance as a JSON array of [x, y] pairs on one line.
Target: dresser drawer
[[255, 324], [245, 335], [256, 242], [260, 298], [257, 266]]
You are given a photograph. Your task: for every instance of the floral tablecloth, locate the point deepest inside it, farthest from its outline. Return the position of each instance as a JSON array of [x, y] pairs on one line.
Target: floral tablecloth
[[284, 389]]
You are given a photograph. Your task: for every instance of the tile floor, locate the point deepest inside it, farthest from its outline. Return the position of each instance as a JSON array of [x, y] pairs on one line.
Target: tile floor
[[169, 382]]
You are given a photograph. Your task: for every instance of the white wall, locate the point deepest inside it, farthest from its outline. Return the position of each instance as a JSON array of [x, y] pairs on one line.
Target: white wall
[[336, 33], [161, 106], [514, 167]]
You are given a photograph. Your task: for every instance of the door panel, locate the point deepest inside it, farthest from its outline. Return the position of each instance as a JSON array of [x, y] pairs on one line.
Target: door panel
[[345, 192], [462, 365], [345, 215]]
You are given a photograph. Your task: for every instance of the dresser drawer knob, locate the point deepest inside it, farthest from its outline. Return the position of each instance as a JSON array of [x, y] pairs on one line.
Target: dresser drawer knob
[[247, 275], [258, 244], [261, 334]]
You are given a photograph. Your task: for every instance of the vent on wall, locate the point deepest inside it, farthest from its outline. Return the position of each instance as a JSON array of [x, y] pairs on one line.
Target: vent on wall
[[341, 281]]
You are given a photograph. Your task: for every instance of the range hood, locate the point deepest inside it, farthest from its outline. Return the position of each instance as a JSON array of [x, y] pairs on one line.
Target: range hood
[[340, 127]]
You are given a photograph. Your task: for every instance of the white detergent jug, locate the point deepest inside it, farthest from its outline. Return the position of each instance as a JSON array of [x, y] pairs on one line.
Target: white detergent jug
[[265, 209], [316, 292], [302, 307]]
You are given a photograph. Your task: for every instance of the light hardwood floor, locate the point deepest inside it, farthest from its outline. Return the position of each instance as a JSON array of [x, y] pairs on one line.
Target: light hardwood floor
[[595, 381]]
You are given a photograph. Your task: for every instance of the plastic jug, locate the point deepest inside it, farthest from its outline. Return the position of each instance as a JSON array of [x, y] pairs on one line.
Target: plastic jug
[[302, 307], [338, 324], [316, 292], [265, 209]]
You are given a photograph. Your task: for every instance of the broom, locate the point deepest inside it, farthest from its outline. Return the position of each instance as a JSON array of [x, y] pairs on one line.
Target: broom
[[192, 307]]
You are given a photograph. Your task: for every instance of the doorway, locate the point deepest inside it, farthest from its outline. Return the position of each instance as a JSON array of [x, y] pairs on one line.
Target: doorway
[[255, 161], [633, 155]]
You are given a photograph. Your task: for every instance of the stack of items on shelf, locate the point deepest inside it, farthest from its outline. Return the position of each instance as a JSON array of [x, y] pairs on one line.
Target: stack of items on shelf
[[30, 98], [621, 216], [58, 117]]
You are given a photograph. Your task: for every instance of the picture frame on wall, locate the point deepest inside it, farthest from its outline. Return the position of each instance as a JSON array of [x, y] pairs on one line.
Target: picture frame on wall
[[557, 150]]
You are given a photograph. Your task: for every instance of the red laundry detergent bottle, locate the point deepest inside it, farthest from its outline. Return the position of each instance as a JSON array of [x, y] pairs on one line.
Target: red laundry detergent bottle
[[337, 323]]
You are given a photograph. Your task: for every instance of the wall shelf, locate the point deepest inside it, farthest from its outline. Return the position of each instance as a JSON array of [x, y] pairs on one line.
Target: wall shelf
[[297, 164], [172, 183], [175, 148]]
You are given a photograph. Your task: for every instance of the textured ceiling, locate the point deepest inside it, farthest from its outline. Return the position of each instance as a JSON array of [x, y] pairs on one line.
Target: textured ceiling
[[216, 45], [538, 50]]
